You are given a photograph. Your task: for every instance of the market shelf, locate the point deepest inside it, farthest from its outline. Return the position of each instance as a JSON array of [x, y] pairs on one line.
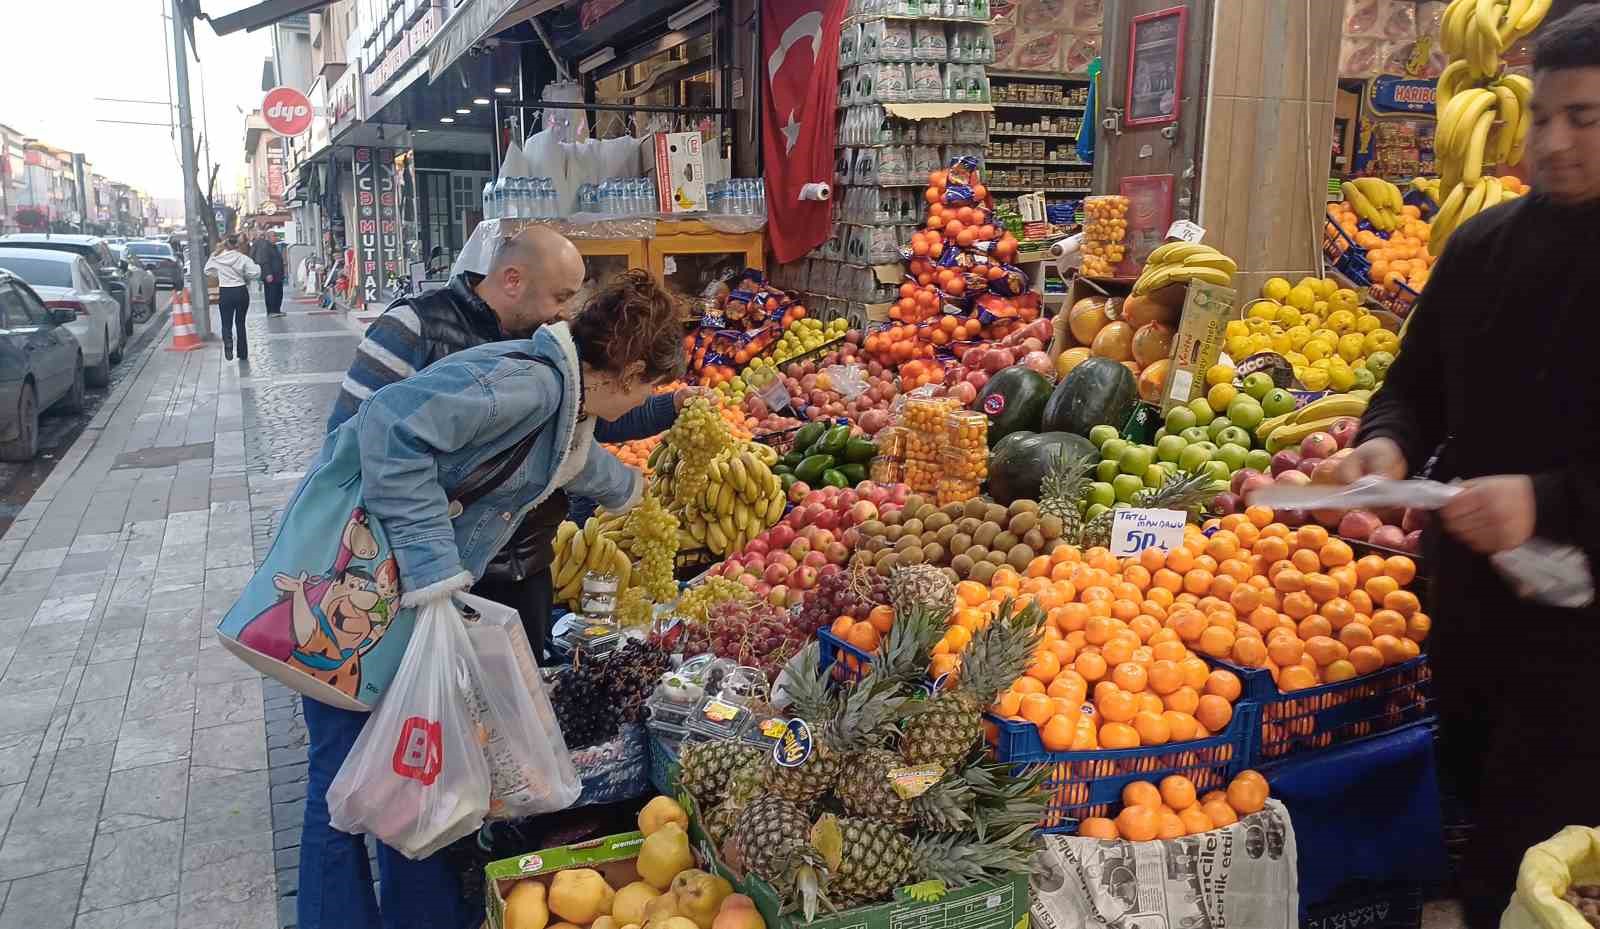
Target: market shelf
[[869, 17], [1079, 78], [1048, 190], [1045, 162], [1034, 135], [1018, 104]]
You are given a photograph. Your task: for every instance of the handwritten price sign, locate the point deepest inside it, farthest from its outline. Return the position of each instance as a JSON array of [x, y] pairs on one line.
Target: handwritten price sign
[[1133, 530]]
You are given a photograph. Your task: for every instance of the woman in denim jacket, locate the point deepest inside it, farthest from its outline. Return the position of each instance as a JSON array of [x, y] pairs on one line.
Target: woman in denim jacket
[[418, 439]]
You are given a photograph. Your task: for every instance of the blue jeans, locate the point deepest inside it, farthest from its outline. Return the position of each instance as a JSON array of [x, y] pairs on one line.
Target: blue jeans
[[335, 876]]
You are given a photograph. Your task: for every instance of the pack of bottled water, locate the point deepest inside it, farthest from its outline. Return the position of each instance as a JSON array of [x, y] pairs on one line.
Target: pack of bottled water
[[521, 198], [739, 196]]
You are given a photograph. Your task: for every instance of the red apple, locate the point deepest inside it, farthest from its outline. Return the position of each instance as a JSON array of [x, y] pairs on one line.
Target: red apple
[[837, 553], [749, 581], [1318, 445], [1236, 483], [829, 570], [977, 379], [1414, 520], [778, 596], [1227, 503], [779, 537], [794, 599], [1286, 460], [762, 589], [798, 491], [862, 511], [1358, 524], [803, 578], [774, 574], [1388, 537], [1412, 542], [1252, 484], [827, 519], [964, 392], [814, 497], [784, 559], [1294, 478], [1308, 466], [1344, 429], [851, 537], [798, 549], [756, 563], [814, 559], [756, 546]]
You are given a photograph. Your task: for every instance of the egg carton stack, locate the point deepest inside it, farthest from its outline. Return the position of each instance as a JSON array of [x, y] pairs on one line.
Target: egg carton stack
[[965, 456], [925, 419]]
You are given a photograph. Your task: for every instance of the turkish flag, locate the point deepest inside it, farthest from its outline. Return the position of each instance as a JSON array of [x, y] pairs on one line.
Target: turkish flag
[[800, 51]]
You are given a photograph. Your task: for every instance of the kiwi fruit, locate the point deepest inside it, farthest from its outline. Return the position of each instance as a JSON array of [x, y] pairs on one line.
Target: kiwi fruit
[[985, 534], [908, 541], [995, 557], [951, 575], [877, 544], [913, 504], [911, 556], [937, 521], [1034, 539], [1051, 546], [1004, 541], [978, 552], [887, 562], [933, 553], [872, 527], [1022, 522], [969, 524], [1019, 556], [995, 513], [893, 533], [960, 542], [962, 564], [1022, 506], [867, 558], [952, 510], [912, 526], [1051, 526], [982, 572], [892, 517], [975, 508], [945, 533], [925, 511]]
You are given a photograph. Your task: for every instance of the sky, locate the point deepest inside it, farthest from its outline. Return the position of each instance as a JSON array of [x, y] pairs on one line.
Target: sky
[[60, 55]]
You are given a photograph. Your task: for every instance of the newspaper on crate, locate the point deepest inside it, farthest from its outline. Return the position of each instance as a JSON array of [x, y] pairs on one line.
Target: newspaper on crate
[[1241, 876]]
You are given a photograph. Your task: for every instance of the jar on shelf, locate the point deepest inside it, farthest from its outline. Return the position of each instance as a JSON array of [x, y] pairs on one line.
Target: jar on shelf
[[967, 429], [1105, 234], [926, 414], [887, 470], [968, 464], [922, 474], [955, 490]]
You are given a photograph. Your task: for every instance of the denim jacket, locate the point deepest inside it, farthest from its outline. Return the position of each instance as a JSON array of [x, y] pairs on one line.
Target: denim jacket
[[419, 438]]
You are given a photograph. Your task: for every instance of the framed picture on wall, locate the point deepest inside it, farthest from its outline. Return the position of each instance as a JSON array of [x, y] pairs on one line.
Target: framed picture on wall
[[1155, 67]]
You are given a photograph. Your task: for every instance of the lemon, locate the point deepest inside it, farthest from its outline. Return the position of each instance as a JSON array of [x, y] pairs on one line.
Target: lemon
[[1298, 336], [1280, 343], [1341, 321], [1342, 378], [1301, 297], [1238, 346], [1264, 309], [1364, 379], [1380, 340], [1324, 364], [1350, 346], [1321, 307], [1314, 378], [1219, 374], [1297, 359], [1238, 327], [1260, 343], [1220, 395], [1308, 282], [1366, 322], [1311, 319], [1326, 287], [1276, 288], [1289, 316], [1317, 348]]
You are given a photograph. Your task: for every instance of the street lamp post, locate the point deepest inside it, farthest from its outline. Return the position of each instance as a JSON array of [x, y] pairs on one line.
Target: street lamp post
[[200, 303]]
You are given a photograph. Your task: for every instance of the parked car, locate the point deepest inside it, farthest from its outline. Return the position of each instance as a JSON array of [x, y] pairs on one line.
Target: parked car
[[160, 260], [97, 251], [141, 284], [41, 365], [66, 282]]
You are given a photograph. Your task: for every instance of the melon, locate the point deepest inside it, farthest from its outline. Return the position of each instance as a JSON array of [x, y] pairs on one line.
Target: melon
[[1142, 310], [1086, 318], [1152, 379], [1097, 391], [1152, 342], [1070, 359], [1114, 341]]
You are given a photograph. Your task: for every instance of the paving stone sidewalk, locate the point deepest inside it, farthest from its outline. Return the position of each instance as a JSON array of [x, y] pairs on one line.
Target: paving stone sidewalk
[[148, 779]]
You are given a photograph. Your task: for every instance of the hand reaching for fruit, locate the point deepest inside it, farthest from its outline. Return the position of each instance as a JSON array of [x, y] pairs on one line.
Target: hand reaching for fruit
[[1379, 456]]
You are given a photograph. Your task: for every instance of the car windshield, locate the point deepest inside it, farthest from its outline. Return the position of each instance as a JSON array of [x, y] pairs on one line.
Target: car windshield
[[150, 249], [40, 272]]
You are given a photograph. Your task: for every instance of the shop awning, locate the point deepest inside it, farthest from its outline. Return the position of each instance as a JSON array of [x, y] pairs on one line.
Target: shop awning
[[474, 21]]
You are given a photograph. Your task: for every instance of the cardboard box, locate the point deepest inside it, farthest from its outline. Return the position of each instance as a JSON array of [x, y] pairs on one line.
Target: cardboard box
[[676, 162], [613, 856], [1198, 344]]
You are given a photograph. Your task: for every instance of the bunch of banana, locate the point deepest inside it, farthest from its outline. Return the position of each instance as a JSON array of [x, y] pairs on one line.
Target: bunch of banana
[[594, 547], [1181, 262], [739, 499], [1375, 200], [1464, 203], [1478, 32], [1286, 431], [1479, 126], [1428, 186]]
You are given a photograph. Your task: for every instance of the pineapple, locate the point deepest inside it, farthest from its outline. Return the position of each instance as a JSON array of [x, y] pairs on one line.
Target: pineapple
[[945, 731], [744, 787], [1063, 490], [706, 769], [903, 659], [772, 840], [868, 859], [1065, 487], [864, 790], [922, 585]]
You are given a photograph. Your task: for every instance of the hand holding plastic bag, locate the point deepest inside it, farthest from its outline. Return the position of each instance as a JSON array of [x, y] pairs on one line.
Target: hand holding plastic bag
[[1571, 856], [417, 779], [1540, 570]]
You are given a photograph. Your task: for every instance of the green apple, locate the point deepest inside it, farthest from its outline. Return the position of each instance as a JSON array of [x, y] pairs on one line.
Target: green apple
[[1100, 492], [1179, 418], [1218, 470], [1136, 459], [1378, 363], [1232, 455], [1155, 475], [1106, 470], [1160, 434], [1169, 447], [1277, 402], [1216, 427], [1235, 436], [1365, 380], [1203, 413], [1094, 509], [1113, 449], [1102, 434], [1171, 467], [1245, 412], [1193, 458], [1194, 434], [1260, 459], [1210, 447], [1256, 385], [1126, 485]]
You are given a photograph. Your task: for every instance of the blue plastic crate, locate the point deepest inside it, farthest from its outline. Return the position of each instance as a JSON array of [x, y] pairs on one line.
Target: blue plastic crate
[[663, 766], [851, 662], [1344, 254], [1368, 904], [1084, 784], [1331, 714]]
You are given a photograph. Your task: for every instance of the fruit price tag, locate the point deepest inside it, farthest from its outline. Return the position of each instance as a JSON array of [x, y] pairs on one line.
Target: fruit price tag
[[1133, 530], [1186, 231]]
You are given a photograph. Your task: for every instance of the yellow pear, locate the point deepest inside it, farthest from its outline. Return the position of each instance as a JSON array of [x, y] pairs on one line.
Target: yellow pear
[[660, 909], [579, 895], [700, 895], [525, 906], [563, 926], [679, 922], [738, 912], [663, 854], [629, 904], [604, 922], [660, 811]]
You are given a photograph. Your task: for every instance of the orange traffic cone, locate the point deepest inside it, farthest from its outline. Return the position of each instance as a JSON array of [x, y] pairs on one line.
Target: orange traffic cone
[[183, 335]]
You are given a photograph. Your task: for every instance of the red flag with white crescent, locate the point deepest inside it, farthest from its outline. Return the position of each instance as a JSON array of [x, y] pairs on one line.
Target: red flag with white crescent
[[800, 55]]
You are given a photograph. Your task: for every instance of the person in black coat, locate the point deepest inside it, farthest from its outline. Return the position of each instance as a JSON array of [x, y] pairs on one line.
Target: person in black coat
[[264, 252], [1493, 387]]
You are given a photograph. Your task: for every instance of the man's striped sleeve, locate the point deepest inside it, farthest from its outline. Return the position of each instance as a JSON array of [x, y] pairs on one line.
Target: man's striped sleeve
[[392, 351]]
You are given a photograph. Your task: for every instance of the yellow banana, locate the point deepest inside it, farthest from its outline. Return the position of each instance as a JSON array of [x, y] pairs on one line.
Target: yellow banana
[[1448, 42], [1492, 195], [1364, 207], [1522, 89], [1217, 261], [564, 534], [774, 512], [1472, 164], [1331, 406], [1450, 81], [1444, 221], [1474, 204], [1176, 251], [1530, 20], [1291, 433], [572, 565], [716, 539], [767, 454], [1509, 123], [1465, 117]]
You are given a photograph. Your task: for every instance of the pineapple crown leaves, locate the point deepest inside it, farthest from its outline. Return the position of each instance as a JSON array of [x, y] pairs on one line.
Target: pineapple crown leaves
[[802, 679], [1181, 491], [1069, 476], [1001, 651], [908, 647], [956, 859], [866, 713], [927, 891]]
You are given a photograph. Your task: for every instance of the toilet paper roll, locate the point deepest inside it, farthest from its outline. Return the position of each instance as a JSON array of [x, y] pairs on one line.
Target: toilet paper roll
[[816, 192]]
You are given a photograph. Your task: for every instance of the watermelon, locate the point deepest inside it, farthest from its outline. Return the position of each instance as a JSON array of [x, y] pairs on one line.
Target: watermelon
[[1097, 391], [1021, 460], [1013, 400]]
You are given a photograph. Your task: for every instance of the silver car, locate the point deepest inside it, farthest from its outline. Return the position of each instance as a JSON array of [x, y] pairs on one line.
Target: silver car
[[141, 284], [41, 365], [65, 281]]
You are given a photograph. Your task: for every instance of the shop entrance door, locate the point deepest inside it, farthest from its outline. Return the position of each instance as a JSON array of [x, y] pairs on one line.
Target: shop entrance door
[[1159, 130]]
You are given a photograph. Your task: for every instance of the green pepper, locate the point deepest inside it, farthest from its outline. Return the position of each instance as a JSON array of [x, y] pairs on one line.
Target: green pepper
[[808, 435], [833, 477]]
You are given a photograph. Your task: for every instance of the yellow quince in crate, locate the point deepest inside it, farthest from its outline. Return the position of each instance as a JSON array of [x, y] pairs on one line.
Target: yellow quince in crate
[[1569, 858]]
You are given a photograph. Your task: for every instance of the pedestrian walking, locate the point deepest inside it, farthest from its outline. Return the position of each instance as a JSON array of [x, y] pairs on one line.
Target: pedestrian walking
[[532, 281], [234, 270], [264, 252], [418, 440], [1522, 273]]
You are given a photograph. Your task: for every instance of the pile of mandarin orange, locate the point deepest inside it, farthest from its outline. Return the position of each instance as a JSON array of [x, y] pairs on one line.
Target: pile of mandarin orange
[[1115, 668], [1174, 809]]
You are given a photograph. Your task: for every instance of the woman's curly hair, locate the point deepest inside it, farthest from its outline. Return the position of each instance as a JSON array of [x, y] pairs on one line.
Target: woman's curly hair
[[632, 318]]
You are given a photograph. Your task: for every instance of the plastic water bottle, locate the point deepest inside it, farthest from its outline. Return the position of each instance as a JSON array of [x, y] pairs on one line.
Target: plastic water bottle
[[648, 185], [488, 199], [546, 208], [500, 194]]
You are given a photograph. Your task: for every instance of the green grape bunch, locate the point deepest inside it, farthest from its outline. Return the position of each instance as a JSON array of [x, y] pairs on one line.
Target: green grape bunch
[[698, 435], [654, 531], [697, 602]]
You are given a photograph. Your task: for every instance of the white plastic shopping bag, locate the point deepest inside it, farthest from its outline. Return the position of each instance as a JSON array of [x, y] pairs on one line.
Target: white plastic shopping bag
[[417, 779], [530, 771]]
